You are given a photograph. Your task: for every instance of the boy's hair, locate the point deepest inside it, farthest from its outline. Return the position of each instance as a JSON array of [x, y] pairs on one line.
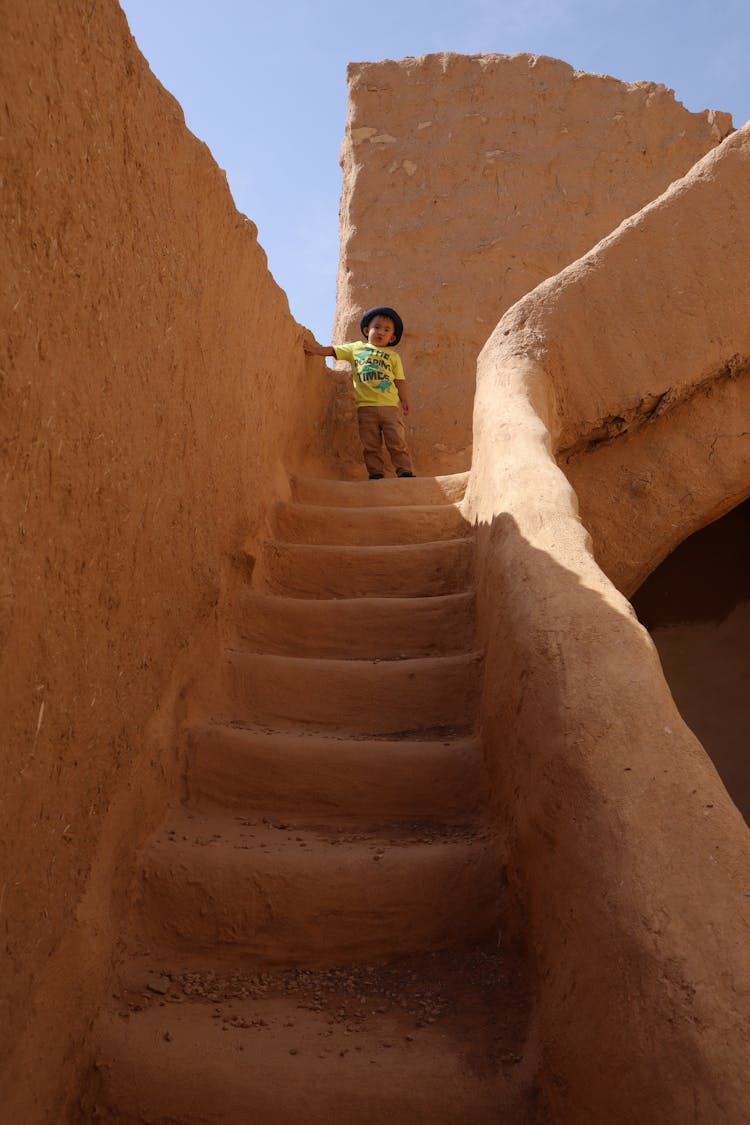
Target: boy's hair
[[383, 310]]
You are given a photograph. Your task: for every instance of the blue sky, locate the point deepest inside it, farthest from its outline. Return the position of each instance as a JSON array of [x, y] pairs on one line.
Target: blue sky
[[264, 85]]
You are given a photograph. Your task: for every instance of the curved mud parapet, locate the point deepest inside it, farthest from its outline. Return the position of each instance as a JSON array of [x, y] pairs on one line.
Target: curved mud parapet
[[489, 173], [629, 859], [646, 341]]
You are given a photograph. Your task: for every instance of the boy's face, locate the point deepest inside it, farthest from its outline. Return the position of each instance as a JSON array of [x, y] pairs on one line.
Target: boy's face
[[381, 332]]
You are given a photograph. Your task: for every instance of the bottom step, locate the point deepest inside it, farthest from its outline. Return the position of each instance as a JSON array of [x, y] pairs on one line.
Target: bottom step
[[436, 1040]]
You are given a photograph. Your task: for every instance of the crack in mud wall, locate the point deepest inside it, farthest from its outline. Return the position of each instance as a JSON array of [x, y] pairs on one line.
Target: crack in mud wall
[[651, 407], [641, 495]]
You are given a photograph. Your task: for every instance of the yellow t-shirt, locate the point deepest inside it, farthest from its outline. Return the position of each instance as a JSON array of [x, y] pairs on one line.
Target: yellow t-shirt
[[374, 373]]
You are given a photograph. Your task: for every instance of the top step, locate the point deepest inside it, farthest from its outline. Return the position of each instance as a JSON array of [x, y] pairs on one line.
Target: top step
[[390, 492]]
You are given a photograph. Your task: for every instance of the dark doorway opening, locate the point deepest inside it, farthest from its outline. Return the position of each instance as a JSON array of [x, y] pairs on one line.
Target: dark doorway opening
[[696, 605]]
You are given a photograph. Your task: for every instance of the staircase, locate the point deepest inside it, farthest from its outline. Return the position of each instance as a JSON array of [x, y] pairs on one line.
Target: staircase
[[317, 930]]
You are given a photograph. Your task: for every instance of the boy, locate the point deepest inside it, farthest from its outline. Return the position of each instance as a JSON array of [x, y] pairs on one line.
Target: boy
[[379, 388]]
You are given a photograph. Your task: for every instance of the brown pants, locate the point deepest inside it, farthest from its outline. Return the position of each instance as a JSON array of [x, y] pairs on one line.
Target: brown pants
[[383, 422]]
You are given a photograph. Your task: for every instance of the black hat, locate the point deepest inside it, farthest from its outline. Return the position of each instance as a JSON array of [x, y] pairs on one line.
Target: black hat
[[383, 310]]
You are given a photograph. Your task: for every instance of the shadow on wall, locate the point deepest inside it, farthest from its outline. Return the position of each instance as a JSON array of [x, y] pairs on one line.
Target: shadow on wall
[[623, 846], [696, 606]]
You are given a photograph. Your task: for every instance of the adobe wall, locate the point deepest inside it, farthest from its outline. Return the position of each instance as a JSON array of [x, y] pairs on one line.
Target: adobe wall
[[146, 420], [467, 181], [652, 381], [627, 856]]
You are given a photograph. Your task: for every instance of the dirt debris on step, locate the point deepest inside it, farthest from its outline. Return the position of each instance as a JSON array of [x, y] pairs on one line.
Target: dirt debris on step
[[446, 734], [479, 992]]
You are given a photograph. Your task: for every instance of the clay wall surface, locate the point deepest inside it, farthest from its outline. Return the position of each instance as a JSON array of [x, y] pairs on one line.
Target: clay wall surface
[[627, 856], [647, 343], [146, 418], [467, 181]]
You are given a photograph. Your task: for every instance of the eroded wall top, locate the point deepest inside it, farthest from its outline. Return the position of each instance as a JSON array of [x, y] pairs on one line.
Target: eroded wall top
[[470, 179]]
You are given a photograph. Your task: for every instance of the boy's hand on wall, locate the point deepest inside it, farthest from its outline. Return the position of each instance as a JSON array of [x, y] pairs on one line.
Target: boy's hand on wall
[[311, 348]]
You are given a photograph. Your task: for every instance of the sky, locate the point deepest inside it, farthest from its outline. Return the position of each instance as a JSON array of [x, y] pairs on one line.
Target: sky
[[264, 85]]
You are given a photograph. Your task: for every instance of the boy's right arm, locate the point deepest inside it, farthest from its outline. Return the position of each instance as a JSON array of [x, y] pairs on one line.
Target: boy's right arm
[[311, 348]]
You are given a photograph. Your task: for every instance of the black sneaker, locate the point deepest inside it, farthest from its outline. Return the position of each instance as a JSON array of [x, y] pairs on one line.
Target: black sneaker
[[400, 475], [377, 476]]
